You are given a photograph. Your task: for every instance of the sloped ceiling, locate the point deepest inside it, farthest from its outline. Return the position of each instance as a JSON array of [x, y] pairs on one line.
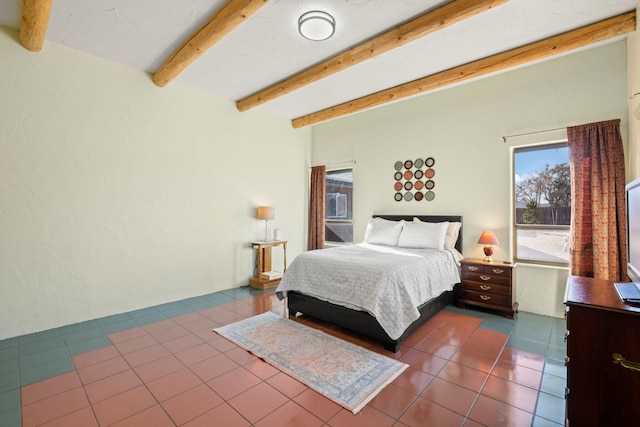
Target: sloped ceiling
[[264, 47]]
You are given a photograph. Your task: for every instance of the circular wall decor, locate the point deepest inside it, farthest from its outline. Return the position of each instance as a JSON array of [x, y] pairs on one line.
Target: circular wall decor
[[412, 176]]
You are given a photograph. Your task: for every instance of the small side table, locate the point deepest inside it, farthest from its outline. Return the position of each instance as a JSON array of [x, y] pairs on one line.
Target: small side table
[[263, 263], [489, 285]]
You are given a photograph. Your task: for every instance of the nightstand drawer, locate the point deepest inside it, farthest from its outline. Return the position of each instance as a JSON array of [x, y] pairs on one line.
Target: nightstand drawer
[[486, 277], [487, 298], [488, 269], [489, 288]]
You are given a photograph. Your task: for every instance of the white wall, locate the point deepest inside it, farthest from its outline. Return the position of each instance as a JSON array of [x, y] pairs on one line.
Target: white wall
[[116, 194], [461, 128], [633, 58]]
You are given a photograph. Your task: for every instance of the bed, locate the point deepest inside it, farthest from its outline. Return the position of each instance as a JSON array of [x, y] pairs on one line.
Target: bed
[[376, 261]]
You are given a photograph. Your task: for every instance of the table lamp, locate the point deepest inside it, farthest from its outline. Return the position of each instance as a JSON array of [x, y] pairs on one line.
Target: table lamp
[[266, 213], [487, 238]]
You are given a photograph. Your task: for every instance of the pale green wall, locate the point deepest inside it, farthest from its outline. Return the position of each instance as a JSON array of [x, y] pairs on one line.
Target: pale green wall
[[116, 194], [461, 128], [633, 57]]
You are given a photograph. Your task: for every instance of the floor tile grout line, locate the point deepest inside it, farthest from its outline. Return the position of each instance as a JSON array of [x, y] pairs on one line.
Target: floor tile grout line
[[538, 391], [145, 384], [121, 354], [106, 334], [194, 332], [484, 383]]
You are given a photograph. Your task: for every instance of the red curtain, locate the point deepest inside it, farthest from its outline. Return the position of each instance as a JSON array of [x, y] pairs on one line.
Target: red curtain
[[598, 223], [317, 197]]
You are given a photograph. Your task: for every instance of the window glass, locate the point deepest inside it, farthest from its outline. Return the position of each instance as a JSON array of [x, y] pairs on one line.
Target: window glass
[[339, 204], [542, 194]]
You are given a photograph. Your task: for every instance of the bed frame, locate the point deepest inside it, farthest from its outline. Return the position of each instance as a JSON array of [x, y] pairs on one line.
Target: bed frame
[[361, 321]]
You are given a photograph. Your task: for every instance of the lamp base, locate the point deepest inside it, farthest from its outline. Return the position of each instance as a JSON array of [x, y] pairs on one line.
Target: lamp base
[[266, 231], [488, 251]]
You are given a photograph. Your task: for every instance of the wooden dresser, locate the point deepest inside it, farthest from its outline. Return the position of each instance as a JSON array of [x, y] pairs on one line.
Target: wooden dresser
[[599, 391], [488, 284]]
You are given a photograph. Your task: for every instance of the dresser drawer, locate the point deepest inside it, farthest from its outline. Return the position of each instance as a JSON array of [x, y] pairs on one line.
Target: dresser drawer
[[488, 288], [486, 269], [485, 277], [487, 298]]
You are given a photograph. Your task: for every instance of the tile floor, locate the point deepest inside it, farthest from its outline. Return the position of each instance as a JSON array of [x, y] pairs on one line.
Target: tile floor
[[163, 366]]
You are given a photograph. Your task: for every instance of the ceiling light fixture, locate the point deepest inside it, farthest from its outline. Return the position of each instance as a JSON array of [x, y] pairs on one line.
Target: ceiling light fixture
[[316, 25]]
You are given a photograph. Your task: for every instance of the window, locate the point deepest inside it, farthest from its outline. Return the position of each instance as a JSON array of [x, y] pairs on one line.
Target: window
[[542, 211], [336, 206], [339, 204]]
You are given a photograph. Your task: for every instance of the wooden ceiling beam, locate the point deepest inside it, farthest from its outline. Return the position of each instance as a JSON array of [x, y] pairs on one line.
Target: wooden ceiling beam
[[234, 13], [427, 23], [571, 40], [33, 27]]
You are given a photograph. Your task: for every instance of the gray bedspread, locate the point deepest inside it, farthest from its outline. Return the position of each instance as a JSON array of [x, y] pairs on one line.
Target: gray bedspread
[[387, 282]]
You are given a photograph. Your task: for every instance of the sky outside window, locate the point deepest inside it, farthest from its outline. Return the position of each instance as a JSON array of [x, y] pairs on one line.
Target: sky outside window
[[528, 163]]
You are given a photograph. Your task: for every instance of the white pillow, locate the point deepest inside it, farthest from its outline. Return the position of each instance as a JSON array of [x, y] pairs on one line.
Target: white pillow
[[452, 233], [383, 232], [423, 235]]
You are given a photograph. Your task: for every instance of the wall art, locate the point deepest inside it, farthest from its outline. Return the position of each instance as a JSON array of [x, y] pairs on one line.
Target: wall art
[[414, 180]]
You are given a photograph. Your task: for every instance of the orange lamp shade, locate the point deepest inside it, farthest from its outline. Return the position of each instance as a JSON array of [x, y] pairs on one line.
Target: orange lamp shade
[[265, 212], [488, 238]]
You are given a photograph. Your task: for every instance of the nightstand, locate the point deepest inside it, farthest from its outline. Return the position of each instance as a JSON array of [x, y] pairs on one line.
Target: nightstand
[[263, 264], [489, 285]]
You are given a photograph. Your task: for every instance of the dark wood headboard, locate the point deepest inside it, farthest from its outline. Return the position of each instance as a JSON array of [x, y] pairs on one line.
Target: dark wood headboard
[[429, 218]]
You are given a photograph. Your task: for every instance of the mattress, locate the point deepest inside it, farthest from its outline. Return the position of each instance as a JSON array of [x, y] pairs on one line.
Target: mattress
[[387, 282]]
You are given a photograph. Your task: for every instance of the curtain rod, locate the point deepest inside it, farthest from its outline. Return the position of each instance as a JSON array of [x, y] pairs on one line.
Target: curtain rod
[[504, 138], [333, 165]]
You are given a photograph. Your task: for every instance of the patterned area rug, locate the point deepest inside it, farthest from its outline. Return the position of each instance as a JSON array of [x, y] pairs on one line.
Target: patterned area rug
[[344, 372]]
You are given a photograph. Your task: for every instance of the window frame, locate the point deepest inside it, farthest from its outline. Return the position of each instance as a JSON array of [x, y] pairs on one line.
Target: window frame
[[337, 220], [340, 204], [514, 226]]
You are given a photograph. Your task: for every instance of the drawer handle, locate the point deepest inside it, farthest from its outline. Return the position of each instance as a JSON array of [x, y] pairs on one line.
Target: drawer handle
[[472, 267], [485, 297], [498, 271], [617, 358], [485, 287], [485, 278]]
